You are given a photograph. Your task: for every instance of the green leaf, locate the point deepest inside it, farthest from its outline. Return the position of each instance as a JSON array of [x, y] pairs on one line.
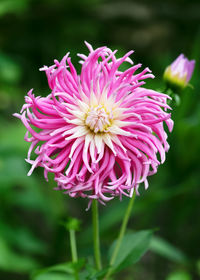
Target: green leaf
[[22, 238], [163, 248], [91, 273], [179, 275], [11, 261], [198, 267], [8, 6], [67, 268], [63, 267], [97, 274], [54, 276], [133, 247], [18, 174]]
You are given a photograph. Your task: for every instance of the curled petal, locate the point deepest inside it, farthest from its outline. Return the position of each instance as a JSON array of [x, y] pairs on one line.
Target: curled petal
[[100, 133]]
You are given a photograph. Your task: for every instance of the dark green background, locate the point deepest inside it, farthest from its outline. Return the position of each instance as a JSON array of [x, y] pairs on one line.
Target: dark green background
[[32, 34]]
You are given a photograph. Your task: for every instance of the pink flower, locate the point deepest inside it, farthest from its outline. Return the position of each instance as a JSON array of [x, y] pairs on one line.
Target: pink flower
[[179, 73], [100, 133]]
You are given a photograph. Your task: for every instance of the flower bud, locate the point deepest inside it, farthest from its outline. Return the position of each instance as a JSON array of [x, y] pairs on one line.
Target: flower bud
[[178, 74]]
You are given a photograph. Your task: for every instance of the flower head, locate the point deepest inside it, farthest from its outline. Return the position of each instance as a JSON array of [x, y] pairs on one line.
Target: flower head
[[99, 132], [179, 73]]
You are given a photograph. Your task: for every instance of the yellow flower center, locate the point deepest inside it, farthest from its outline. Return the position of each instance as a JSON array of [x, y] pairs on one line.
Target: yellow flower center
[[98, 119]]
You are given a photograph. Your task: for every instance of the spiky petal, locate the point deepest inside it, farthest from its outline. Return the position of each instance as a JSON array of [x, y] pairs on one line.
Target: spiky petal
[[99, 132]]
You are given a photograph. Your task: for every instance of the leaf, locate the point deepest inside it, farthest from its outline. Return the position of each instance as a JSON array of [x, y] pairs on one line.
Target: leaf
[[69, 268], [133, 247], [179, 275], [10, 261], [18, 174], [91, 273], [163, 248], [22, 238], [97, 274], [63, 267], [7, 6], [54, 276], [198, 267], [14, 131]]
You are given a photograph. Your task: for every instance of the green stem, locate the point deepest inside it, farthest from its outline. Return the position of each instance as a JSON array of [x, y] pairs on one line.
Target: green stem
[[73, 250], [95, 221], [121, 234]]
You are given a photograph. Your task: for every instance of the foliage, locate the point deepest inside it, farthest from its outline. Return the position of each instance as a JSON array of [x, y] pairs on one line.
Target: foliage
[[33, 33]]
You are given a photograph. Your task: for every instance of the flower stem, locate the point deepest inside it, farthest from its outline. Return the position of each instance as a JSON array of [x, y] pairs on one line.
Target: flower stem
[[121, 234], [95, 220], [73, 250]]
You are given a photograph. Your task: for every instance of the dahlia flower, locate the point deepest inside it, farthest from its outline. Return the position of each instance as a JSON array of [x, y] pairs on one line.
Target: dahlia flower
[[179, 73], [100, 133]]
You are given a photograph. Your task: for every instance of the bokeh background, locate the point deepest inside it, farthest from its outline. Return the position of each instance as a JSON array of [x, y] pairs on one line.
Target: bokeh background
[[33, 33]]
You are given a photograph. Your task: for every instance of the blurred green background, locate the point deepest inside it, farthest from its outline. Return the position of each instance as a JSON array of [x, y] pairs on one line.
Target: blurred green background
[[33, 33]]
